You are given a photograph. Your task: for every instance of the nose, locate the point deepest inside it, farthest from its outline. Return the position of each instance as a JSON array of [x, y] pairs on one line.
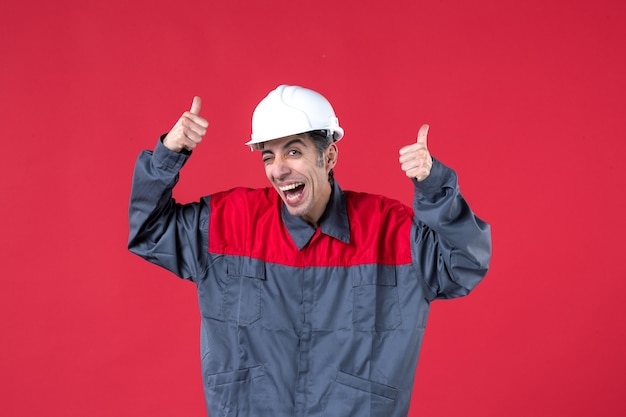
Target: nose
[[279, 168]]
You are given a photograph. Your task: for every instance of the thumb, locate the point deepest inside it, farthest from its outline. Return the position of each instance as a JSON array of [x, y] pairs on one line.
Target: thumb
[[422, 135], [195, 105]]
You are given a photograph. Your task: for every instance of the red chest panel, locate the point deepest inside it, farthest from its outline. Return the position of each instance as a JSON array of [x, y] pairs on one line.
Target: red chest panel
[[247, 222]]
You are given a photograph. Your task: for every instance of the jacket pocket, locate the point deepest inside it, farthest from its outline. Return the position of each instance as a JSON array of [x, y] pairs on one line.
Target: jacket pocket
[[375, 297], [241, 295], [354, 396], [231, 394]]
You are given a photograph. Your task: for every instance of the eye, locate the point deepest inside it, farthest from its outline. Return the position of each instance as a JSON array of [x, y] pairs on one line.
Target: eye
[[267, 159], [293, 152]]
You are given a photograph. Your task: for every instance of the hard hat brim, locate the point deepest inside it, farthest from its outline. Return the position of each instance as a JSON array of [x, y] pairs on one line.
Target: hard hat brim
[[337, 136]]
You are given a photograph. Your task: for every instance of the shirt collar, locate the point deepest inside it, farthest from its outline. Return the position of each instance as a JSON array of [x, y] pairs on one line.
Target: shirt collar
[[334, 221]]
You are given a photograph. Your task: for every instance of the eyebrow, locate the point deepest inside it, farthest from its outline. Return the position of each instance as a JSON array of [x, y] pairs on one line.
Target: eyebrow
[[293, 141]]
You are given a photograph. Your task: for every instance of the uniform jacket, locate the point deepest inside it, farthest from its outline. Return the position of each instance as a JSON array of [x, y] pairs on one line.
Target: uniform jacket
[[298, 321]]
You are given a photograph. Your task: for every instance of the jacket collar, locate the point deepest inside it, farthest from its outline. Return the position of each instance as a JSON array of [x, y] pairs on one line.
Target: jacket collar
[[334, 221]]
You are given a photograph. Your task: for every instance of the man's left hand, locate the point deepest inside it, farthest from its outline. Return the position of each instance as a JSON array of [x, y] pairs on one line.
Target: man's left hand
[[415, 159]]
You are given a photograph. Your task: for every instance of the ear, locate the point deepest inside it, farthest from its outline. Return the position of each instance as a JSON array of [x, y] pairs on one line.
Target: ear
[[331, 154]]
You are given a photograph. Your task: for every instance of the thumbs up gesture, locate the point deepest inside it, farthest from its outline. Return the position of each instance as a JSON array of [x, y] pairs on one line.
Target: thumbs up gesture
[[188, 131], [415, 159]]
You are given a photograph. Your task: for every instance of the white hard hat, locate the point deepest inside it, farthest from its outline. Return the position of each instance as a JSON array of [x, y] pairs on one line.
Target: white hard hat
[[289, 110]]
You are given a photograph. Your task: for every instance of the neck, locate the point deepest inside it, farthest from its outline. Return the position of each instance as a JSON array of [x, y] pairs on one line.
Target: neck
[[314, 217]]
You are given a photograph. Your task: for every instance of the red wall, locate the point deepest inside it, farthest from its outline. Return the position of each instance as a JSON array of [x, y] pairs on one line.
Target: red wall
[[525, 100]]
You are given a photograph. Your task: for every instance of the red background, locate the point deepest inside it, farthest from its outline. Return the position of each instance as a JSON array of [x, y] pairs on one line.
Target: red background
[[525, 100]]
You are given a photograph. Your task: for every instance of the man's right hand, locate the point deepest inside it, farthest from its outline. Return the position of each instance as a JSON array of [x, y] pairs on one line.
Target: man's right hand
[[188, 131]]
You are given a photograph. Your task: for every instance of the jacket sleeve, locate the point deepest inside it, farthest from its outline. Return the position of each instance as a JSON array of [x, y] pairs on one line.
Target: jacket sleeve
[[452, 246], [168, 234]]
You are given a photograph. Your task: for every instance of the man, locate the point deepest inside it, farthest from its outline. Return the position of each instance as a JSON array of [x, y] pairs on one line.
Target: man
[[313, 299]]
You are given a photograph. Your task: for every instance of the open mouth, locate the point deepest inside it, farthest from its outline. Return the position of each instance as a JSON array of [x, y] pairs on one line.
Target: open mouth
[[293, 192]]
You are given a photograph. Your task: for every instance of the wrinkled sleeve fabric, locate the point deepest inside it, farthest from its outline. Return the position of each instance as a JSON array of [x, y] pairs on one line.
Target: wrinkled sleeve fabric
[[168, 234], [452, 246]]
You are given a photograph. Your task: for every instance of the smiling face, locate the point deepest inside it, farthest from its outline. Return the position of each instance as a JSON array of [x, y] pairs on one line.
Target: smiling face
[[299, 174]]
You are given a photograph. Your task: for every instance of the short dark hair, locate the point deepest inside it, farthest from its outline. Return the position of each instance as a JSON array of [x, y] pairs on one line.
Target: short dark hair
[[322, 140]]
